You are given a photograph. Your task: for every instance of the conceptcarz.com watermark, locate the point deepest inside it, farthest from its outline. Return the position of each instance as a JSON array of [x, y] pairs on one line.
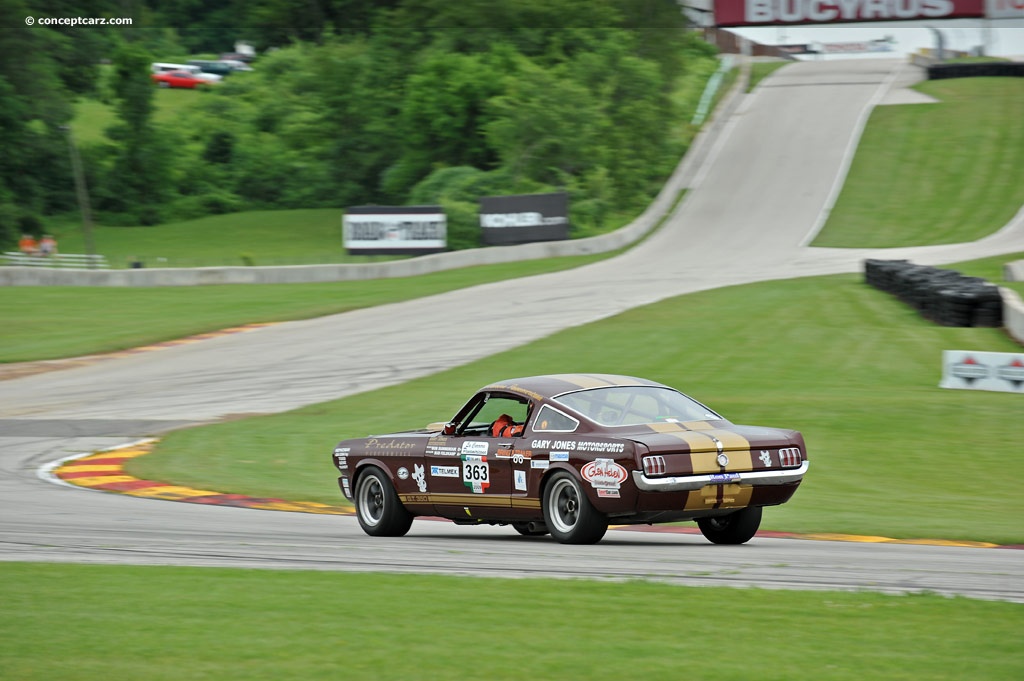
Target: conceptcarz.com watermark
[[78, 21]]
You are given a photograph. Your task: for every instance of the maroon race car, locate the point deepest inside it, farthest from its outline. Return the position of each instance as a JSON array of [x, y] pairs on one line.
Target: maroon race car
[[567, 455]]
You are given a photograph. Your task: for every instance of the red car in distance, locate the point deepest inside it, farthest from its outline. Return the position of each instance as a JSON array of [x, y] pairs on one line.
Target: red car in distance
[[180, 79]]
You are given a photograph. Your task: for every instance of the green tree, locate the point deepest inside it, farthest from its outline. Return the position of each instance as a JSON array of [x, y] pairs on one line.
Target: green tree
[[138, 182]]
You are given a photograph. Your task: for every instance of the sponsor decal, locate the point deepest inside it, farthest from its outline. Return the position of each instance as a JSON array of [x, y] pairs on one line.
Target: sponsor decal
[[1013, 373], [396, 446], [517, 455], [759, 12], [403, 473], [438, 446], [445, 471], [766, 458], [1005, 9], [476, 473], [474, 448], [608, 493], [968, 370], [538, 463], [559, 456], [395, 229], [341, 450], [419, 475], [723, 478], [604, 473], [520, 480], [594, 446]]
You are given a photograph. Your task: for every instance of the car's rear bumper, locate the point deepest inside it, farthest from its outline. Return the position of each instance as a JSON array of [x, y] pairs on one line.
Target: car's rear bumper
[[685, 483]]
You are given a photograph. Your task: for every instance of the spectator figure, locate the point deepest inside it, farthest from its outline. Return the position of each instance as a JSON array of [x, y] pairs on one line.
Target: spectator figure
[[27, 244], [48, 246]]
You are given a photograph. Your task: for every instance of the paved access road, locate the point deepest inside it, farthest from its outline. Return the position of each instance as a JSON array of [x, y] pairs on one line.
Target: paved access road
[[757, 196]]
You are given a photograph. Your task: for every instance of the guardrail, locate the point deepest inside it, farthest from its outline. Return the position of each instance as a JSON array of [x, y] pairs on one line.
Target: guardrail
[[75, 260]]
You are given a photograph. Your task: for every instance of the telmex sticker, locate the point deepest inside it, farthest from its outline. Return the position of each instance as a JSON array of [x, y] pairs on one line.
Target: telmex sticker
[[445, 471]]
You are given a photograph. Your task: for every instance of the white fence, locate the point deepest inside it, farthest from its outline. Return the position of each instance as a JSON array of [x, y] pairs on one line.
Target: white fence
[[69, 260]]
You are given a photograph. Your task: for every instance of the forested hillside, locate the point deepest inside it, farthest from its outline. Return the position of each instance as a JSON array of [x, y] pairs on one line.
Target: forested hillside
[[349, 102]]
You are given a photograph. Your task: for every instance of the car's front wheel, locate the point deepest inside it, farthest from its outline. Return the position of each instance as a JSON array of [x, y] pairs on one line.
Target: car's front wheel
[[735, 528], [569, 515], [378, 509]]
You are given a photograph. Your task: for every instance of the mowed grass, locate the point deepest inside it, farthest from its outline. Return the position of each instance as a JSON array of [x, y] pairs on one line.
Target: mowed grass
[[938, 173], [52, 322], [79, 623], [93, 117], [270, 237], [851, 367]]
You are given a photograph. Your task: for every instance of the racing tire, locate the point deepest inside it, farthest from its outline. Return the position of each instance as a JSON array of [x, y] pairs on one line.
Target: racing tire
[[530, 529], [569, 515], [735, 528], [378, 508]]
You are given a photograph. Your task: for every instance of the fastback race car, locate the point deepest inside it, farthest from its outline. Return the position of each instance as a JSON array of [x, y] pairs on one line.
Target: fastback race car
[[567, 455]]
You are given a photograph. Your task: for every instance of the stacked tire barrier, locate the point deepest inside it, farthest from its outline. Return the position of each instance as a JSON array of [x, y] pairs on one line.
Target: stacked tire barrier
[[969, 70], [945, 297]]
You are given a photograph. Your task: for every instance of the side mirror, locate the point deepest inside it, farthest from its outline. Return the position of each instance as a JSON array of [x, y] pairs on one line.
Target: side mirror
[[449, 428]]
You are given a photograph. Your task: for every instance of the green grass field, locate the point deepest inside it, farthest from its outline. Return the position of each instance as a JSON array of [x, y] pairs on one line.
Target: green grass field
[[935, 173], [79, 623]]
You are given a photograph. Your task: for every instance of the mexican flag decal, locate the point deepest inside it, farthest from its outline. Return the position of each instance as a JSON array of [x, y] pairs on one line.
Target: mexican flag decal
[[476, 473]]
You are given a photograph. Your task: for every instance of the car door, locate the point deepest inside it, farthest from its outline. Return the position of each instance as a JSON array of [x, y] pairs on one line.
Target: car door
[[482, 487]]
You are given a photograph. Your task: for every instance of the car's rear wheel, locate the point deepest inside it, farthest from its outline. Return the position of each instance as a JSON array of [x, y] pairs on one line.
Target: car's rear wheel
[[378, 508], [530, 529], [569, 515], [735, 528]]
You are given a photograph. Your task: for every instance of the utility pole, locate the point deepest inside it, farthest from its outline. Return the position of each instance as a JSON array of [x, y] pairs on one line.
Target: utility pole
[[83, 196]]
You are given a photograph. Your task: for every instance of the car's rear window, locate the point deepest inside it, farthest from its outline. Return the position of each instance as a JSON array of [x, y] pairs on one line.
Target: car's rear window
[[635, 405]]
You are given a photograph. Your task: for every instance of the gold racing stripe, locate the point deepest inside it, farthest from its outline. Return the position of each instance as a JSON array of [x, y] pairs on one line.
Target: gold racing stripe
[[455, 499], [584, 381]]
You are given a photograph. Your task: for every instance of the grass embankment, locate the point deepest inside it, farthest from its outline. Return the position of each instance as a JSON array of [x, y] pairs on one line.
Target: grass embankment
[[81, 623], [938, 173], [52, 322]]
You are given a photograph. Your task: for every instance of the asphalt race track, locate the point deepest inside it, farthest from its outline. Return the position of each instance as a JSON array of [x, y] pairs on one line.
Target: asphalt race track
[[758, 195]]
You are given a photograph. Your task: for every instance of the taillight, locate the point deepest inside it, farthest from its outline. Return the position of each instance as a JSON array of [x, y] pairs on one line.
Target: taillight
[[654, 465], [789, 457]]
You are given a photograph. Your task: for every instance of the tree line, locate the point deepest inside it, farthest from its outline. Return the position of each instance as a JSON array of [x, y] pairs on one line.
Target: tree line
[[351, 102]]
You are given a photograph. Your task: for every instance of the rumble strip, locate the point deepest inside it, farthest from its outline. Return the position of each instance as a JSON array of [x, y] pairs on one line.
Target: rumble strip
[[104, 471]]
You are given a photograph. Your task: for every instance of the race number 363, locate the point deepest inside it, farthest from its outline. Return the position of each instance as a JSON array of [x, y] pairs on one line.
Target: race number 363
[[476, 474]]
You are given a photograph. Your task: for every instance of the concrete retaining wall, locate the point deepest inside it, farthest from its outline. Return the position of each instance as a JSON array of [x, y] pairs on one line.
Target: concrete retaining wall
[[681, 179], [1014, 271], [1013, 314]]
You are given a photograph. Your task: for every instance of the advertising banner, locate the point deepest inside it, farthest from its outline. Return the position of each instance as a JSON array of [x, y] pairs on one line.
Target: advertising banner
[[772, 12], [1005, 9], [395, 230], [525, 218], [999, 371]]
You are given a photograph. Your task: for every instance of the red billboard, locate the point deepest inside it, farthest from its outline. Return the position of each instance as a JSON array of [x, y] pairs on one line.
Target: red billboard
[[775, 12]]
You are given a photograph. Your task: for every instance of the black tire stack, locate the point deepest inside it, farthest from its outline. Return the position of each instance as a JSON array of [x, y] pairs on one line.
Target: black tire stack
[[945, 297]]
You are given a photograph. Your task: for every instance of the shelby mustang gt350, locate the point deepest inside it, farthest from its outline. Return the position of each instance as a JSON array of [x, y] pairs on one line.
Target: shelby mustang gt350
[[569, 454]]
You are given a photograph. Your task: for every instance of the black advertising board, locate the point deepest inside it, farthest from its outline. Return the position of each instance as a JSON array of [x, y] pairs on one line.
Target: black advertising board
[[506, 220]]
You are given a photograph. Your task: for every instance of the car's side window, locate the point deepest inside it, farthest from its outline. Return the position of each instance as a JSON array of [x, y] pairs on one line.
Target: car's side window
[[550, 419], [480, 418]]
